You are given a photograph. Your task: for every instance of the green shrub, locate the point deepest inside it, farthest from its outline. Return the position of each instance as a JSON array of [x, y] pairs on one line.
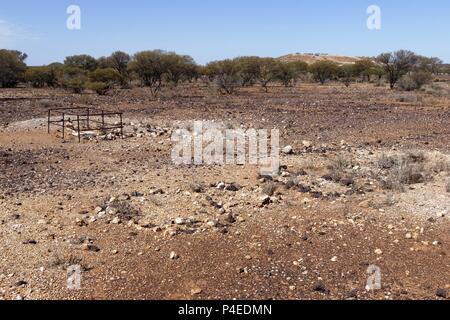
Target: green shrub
[[324, 70], [347, 74], [268, 72], [73, 79], [12, 68], [100, 88], [226, 75], [150, 67], [289, 72], [103, 80], [415, 80], [40, 77], [83, 62]]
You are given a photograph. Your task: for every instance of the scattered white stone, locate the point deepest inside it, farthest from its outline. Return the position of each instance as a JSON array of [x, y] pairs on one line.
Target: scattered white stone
[[221, 185], [174, 255], [116, 220], [288, 150], [180, 221]]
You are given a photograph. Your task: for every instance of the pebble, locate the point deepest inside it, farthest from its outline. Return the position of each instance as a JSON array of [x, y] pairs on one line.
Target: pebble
[[116, 220], [174, 255], [264, 200], [442, 293], [196, 291], [221, 186], [91, 248], [180, 221], [288, 150]]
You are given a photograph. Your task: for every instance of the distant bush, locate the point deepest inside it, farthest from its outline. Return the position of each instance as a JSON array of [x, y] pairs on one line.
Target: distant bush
[[364, 68], [268, 72], [153, 67], [289, 72], [40, 77], [103, 80], [12, 68], [226, 75], [180, 68], [324, 70], [397, 64], [73, 79], [347, 74], [83, 62], [118, 61], [415, 80], [249, 68]]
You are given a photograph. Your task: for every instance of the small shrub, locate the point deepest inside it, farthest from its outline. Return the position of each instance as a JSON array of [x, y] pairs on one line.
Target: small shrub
[[103, 80], [73, 79], [12, 68], [226, 75], [415, 80], [407, 169], [386, 162], [125, 210], [41, 76], [324, 70], [338, 167], [408, 98], [269, 189]]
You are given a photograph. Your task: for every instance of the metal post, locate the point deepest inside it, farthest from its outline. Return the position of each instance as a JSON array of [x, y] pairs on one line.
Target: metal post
[[88, 125], [48, 123], [121, 126], [64, 125], [103, 118], [79, 134]]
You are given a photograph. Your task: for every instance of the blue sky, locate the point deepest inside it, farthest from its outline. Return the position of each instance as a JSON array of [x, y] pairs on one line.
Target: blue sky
[[210, 30]]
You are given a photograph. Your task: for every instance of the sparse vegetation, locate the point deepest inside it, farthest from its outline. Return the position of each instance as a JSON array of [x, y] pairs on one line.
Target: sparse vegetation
[[269, 188], [40, 77], [226, 75], [12, 68], [125, 210], [84, 62], [415, 80], [347, 74], [410, 168], [324, 70], [397, 64], [102, 80]]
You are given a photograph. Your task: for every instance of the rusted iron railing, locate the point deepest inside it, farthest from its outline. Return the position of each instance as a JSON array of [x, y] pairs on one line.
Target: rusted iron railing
[[84, 120]]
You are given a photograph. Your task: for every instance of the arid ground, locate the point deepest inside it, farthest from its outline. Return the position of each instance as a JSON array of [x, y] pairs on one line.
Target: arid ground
[[367, 183]]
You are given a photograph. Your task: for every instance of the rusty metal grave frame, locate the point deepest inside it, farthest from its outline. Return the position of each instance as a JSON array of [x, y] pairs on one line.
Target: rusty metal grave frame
[[83, 120]]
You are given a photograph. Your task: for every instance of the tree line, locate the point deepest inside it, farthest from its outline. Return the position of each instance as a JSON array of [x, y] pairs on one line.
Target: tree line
[[154, 69]]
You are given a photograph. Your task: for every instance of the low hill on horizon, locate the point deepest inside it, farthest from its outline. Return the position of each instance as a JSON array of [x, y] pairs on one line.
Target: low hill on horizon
[[314, 57]]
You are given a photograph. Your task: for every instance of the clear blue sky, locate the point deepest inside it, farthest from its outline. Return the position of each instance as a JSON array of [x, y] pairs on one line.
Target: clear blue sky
[[216, 29]]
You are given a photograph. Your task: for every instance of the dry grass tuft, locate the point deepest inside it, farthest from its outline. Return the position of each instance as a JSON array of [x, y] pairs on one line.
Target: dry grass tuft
[[410, 168]]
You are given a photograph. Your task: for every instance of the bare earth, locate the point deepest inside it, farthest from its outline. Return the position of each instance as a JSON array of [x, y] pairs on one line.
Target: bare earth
[[171, 233]]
